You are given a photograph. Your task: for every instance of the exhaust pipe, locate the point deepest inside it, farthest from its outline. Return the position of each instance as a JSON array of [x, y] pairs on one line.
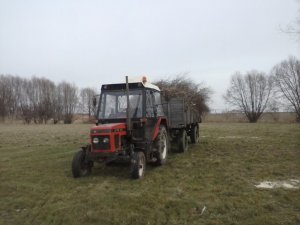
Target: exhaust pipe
[[128, 119]]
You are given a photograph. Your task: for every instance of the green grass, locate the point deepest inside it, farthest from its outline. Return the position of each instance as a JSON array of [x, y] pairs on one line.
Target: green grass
[[36, 186]]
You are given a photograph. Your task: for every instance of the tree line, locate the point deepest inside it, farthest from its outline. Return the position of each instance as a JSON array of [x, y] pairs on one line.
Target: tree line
[[39, 100], [254, 92]]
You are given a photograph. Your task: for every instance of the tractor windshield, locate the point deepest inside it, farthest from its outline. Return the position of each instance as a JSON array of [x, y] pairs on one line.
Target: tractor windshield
[[114, 104]]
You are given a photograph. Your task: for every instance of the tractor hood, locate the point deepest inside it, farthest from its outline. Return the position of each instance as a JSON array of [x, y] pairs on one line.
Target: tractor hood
[[108, 128]]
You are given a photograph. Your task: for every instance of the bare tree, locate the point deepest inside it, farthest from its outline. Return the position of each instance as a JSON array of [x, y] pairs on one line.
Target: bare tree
[[4, 96], [44, 96], [287, 79], [58, 104], [14, 101], [250, 93], [39, 100], [17, 84], [9, 96], [68, 93], [195, 93], [86, 101], [294, 28], [26, 110]]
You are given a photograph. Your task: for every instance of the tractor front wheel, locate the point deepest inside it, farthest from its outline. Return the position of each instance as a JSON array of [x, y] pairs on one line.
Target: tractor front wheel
[[138, 165], [79, 166]]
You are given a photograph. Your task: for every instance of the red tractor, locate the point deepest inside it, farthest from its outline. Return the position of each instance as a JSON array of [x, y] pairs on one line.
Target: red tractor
[[131, 125]]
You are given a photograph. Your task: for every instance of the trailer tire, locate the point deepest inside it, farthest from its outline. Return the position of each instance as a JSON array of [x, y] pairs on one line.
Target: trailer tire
[[195, 134], [182, 141], [138, 165], [79, 166], [162, 144]]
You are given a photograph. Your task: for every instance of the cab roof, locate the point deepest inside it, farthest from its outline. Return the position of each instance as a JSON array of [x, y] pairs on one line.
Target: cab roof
[[133, 84]]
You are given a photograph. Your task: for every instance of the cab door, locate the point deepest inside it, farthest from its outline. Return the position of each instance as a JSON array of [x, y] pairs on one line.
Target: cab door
[[151, 114]]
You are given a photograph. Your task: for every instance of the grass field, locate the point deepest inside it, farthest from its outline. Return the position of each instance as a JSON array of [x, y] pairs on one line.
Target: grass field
[[267, 117], [219, 173]]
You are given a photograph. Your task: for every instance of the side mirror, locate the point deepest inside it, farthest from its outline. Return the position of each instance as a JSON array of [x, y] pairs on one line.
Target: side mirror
[[94, 101]]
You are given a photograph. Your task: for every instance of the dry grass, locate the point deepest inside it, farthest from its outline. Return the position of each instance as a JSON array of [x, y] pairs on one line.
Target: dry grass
[[219, 174], [280, 117]]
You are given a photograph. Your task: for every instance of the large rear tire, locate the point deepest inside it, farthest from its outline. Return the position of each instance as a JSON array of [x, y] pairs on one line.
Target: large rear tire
[[195, 134], [162, 145], [138, 165], [79, 166], [182, 141]]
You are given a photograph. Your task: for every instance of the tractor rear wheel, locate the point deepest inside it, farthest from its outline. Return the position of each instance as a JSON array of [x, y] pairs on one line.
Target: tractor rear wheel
[[79, 166], [138, 165], [182, 141], [162, 144], [195, 134]]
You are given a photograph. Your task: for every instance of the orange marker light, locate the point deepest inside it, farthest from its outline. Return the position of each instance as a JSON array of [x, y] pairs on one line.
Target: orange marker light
[[144, 79]]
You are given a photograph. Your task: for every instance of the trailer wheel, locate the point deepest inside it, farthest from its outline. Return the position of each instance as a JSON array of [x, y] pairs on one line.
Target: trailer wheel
[[182, 141], [162, 144], [195, 134], [79, 166], [138, 165]]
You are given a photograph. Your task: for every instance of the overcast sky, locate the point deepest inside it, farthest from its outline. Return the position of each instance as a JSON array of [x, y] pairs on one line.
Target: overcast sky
[[95, 42]]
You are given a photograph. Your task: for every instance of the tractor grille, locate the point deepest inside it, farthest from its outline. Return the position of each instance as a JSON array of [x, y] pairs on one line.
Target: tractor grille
[[101, 145], [116, 141]]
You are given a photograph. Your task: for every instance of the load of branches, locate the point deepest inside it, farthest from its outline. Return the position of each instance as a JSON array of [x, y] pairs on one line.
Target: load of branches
[[196, 94]]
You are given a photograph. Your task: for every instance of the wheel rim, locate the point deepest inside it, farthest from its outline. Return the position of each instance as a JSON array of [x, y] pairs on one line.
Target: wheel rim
[[83, 169], [141, 167], [164, 152], [185, 142]]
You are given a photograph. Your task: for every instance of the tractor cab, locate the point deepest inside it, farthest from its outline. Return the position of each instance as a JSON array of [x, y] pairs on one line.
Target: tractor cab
[[139, 116], [144, 101]]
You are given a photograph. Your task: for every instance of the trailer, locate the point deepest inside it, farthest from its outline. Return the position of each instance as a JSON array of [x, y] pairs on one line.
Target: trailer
[[184, 122]]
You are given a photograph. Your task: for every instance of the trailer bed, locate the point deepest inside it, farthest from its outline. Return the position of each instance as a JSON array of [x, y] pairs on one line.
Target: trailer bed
[[180, 113]]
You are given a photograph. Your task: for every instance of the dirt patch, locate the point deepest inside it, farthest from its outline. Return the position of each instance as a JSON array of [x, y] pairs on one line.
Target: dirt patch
[[237, 137], [288, 184]]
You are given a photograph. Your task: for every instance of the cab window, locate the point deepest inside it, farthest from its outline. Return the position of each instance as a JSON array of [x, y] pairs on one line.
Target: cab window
[[149, 104]]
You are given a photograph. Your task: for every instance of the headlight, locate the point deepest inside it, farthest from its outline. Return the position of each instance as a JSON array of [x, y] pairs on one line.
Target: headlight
[[95, 140], [106, 140]]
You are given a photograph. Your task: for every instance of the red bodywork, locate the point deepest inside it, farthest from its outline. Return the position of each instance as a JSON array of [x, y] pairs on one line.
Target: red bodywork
[[114, 131], [156, 129]]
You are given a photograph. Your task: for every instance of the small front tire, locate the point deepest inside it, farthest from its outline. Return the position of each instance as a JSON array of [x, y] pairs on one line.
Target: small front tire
[[138, 165], [79, 166]]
